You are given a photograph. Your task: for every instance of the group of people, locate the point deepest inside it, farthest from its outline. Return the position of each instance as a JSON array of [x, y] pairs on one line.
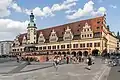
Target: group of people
[[68, 59]]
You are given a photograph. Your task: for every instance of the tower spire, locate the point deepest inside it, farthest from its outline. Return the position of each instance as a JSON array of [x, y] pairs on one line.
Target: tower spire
[[31, 17], [32, 23]]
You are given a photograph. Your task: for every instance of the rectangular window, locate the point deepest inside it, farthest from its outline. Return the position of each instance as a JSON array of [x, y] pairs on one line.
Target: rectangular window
[[81, 45], [73, 45], [44, 47], [87, 44], [57, 46], [90, 44], [87, 29], [53, 47], [76, 45], [90, 35], [97, 44], [49, 47], [68, 45], [62, 46], [84, 45], [40, 48], [87, 35]]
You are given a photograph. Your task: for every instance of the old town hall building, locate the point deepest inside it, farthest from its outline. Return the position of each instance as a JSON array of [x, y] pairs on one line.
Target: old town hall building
[[91, 36]]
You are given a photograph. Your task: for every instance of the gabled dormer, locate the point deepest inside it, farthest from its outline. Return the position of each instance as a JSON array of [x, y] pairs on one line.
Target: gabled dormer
[[86, 32], [53, 36], [24, 41], [41, 38], [16, 41], [68, 34]]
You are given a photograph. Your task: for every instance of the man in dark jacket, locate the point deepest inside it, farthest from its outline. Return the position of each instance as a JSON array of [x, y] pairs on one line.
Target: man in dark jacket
[[89, 62]]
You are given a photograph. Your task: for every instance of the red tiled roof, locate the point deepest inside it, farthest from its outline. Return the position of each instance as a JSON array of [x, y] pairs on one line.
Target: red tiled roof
[[76, 28]]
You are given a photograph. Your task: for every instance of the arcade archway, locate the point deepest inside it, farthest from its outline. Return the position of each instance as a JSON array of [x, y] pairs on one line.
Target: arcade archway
[[68, 53], [85, 53], [79, 53], [64, 53], [55, 53], [95, 52], [74, 53], [59, 53]]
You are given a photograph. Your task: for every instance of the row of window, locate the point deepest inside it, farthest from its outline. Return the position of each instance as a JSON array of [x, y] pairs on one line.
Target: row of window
[[85, 30], [86, 35], [68, 46]]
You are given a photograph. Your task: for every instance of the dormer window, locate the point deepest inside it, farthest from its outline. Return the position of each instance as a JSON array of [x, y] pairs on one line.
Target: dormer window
[[86, 32], [53, 36], [87, 29], [41, 38], [68, 35]]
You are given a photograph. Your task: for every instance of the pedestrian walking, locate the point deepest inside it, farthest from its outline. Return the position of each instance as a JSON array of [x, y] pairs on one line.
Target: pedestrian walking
[[67, 59], [89, 60], [56, 62], [18, 59]]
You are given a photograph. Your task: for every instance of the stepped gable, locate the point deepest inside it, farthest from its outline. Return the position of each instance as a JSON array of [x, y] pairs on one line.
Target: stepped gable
[[76, 28]]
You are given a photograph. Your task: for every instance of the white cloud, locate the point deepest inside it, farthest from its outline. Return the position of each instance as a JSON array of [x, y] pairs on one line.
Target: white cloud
[[87, 10], [16, 7], [70, 11], [10, 28], [113, 6], [69, 1], [49, 11], [58, 7], [4, 5]]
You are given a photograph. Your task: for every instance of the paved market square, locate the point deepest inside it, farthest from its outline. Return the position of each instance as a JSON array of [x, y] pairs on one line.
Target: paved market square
[[45, 71]]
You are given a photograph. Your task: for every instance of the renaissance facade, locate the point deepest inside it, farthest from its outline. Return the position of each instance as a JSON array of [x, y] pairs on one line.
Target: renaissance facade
[[91, 36]]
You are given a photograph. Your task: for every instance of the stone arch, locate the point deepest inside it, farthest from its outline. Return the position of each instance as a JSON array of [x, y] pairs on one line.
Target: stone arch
[[64, 53], [74, 53], [68, 53], [79, 53], [85, 53], [55, 53], [59, 53], [95, 52]]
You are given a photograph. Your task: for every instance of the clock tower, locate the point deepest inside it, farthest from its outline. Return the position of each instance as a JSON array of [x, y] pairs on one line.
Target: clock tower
[[31, 31]]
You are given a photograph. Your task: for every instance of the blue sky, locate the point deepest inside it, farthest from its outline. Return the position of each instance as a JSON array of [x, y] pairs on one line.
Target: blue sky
[[14, 14]]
